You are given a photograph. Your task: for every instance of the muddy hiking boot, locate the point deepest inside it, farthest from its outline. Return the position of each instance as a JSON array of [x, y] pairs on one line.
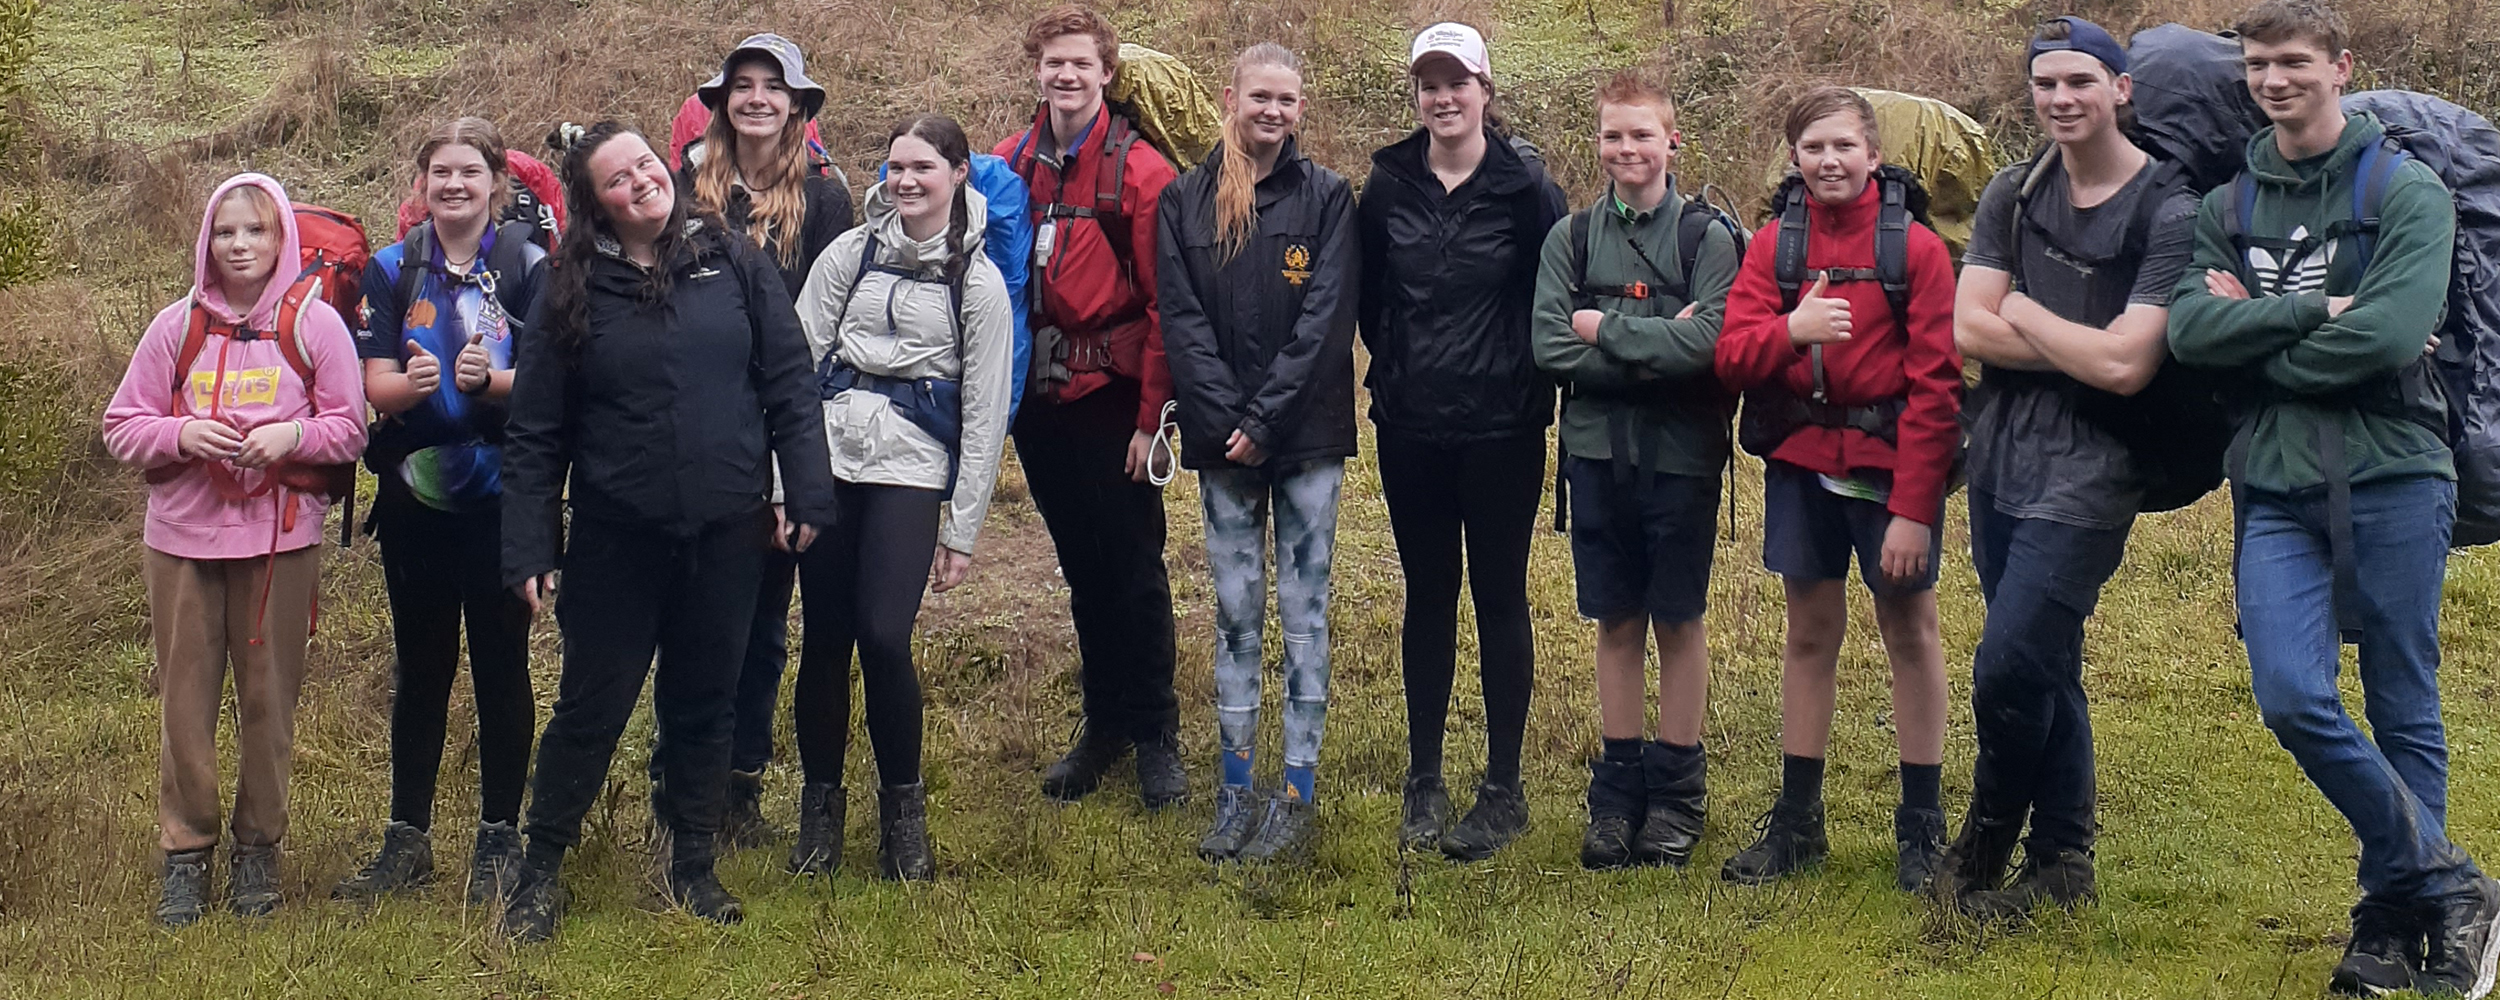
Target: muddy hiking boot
[[1237, 813], [2463, 950], [696, 889], [1161, 778], [2386, 947], [404, 864], [742, 823], [1424, 812], [494, 862], [2061, 877], [1918, 843], [182, 897], [1791, 840], [822, 809], [1077, 774], [903, 833], [1677, 787], [252, 880], [1617, 803], [1976, 861], [1499, 816], [535, 905], [1286, 829]]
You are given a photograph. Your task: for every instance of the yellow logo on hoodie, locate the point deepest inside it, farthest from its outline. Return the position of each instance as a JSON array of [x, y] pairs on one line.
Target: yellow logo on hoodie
[[243, 386]]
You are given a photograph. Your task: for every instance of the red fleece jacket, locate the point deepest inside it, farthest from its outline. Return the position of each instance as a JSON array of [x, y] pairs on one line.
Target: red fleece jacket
[[1880, 361]]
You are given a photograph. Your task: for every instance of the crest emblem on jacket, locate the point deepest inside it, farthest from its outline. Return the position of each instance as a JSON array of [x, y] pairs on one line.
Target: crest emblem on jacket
[[1297, 264], [2293, 274]]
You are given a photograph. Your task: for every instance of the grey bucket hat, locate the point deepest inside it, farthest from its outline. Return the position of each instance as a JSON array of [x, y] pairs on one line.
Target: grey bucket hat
[[782, 52]]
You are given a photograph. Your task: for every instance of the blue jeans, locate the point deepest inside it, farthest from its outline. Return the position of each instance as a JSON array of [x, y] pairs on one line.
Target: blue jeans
[[1304, 495], [2041, 579], [2393, 791]]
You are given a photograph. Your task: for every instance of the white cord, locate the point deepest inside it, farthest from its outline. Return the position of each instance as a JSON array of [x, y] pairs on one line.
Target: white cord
[[1167, 429]]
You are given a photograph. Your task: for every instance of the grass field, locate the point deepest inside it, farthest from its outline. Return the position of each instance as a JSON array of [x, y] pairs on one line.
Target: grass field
[[2223, 873]]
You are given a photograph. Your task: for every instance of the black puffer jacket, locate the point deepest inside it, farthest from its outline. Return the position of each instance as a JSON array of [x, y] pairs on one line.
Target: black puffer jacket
[[1264, 342], [1448, 281], [669, 419]]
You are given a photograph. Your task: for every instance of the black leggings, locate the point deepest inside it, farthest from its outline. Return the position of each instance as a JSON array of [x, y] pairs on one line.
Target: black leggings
[[1467, 509], [439, 567], [860, 586]]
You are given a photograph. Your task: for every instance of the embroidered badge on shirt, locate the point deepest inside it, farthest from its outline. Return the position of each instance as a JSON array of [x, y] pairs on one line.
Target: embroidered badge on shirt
[[1297, 264]]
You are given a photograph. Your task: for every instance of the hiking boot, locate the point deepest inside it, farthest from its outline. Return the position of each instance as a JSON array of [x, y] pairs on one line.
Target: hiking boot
[[1499, 816], [252, 880], [1617, 800], [2386, 947], [742, 819], [405, 863], [2061, 877], [903, 833], [1679, 803], [696, 888], [1792, 840], [1425, 813], [184, 895], [822, 810], [1076, 775], [1237, 810], [1285, 830], [1976, 860], [2464, 946], [494, 863], [661, 835], [1918, 839], [1161, 779], [535, 906]]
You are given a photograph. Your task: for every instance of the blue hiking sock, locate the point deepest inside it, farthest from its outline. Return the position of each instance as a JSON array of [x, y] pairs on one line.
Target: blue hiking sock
[[1299, 782], [1237, 767]]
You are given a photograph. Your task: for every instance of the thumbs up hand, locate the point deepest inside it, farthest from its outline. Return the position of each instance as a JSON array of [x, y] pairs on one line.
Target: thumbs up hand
[[1819, 317], [424, 371], [471, 370]]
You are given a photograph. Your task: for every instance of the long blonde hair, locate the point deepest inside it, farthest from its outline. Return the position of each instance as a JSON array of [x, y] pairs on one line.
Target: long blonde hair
[[1236, 178], [776, 190]]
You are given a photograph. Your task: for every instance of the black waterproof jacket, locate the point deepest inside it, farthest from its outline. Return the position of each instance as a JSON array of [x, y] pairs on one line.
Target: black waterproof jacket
[[1448, 282], [1263, 342], [829, 214], [670, 417]]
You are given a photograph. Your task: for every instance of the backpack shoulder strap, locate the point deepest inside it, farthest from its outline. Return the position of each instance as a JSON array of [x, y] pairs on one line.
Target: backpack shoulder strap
[[1892, 245], [506, 257], [416, 254], [1582, 224], [1691, 228], [1117, 138], [194, 337], [1788, 262], [2377, 166], [290, 332]]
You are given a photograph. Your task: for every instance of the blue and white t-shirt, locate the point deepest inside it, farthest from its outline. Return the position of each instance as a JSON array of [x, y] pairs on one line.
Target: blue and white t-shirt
[[449, 462]]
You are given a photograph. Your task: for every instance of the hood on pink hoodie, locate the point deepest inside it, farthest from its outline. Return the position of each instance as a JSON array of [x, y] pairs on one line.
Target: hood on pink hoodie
[[205, 283]]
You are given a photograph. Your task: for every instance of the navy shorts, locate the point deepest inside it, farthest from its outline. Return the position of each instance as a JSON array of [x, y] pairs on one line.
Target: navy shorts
[[1639, 549], [1808, 532]]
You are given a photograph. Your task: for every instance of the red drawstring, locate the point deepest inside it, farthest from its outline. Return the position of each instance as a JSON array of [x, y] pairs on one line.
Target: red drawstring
[[232, 488]]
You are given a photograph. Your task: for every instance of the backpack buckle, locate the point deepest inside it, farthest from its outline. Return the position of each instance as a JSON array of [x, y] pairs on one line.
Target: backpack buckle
[[1636, 290]]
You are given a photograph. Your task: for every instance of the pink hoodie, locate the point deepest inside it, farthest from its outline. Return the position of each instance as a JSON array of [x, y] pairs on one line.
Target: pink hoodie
[[189, 516]]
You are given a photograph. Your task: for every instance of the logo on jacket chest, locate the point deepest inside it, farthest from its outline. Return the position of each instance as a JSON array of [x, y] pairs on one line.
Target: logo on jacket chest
[[1297, 264]]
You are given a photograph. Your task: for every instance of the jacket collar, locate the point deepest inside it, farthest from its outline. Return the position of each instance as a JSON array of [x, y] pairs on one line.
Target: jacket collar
[[1502, 173]]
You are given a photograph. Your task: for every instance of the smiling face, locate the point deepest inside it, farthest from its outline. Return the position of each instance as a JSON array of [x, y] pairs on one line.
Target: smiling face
[[1071, 74], [756, 100], [1636, 143], [920, 180], [1265, 104], [1449, 100], [2296, 80], [243, 242], [1835, 156], [633, 186], [459, 186], [2076, 96]]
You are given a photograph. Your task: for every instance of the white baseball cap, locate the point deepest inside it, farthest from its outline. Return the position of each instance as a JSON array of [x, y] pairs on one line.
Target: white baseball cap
[[1455, 40]]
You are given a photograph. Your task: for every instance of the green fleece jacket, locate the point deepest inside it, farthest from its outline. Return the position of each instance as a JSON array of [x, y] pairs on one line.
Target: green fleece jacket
[[1647, 365], [2309, 364]]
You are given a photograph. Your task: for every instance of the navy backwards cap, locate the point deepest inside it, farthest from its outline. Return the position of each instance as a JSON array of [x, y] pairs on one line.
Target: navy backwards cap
[[2085, 37], [785, 54]]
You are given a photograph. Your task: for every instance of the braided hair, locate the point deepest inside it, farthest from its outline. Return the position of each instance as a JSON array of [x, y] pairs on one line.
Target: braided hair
[[947, 137]]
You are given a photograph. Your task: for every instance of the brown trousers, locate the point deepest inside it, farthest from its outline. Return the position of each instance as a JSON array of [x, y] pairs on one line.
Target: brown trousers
[[205, 613]]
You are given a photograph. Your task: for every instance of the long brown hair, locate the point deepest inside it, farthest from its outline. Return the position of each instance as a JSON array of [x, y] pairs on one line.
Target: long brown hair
[[478, 134], [776, 190], [1236, 181]]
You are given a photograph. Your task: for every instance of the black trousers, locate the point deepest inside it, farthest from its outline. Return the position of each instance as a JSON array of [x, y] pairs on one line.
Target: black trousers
[[862, 583], [1465, 510], [628, 592], [759, 677], [440, 568], [1109, 532]]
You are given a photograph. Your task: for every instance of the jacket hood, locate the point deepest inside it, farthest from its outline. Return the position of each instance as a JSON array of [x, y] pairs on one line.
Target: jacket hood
[[1504, 170], [879, 213], [204, 284], [2266, 162]]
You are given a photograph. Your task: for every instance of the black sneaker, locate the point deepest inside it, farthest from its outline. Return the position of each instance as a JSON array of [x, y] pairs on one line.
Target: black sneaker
[[1161, 779], [1077, 774], [494, 863], [183, 897], [1975, 862], [1679, 803], [742, 819], [1617, 801], [252, 881], [697, 889], [2386, 947], [1425, 813], [822, 811], [1499, 816], [534, 908], [404, 864], [2059, 877], [1792, 840], [1918, 839], [1237, 810], [1285, 830], [2464, 944]]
